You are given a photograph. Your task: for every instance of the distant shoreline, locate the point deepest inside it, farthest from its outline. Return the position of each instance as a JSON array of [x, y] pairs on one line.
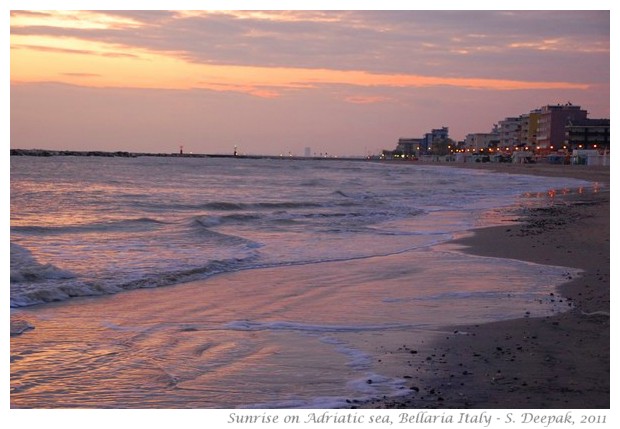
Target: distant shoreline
[[584, 172], [125, 154]]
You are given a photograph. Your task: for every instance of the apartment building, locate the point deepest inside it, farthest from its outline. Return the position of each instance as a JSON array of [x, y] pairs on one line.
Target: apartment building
[[435, 135], [509, 132], [552, 125], [408, 147], [529, 128], [587, 134], [475, 142]]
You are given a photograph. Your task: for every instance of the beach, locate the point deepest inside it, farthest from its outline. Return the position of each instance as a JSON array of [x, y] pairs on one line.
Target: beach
[[552, 362]]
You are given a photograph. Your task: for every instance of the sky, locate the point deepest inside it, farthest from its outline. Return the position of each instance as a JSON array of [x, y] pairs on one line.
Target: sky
[[340, 82]]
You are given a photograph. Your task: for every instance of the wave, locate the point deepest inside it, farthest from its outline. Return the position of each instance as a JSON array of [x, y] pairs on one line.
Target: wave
[[24, 268], [137, 224], [286, 205], [227, 206], [39, 272], [203, 225], [51, 290], [265, 205], [206, 222], [220, 205]]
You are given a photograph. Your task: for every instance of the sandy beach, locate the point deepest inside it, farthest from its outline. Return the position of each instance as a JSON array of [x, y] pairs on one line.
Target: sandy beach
[[559, 361]]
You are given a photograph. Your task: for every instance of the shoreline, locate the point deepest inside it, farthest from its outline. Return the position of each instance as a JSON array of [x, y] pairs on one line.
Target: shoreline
[[554, 362]]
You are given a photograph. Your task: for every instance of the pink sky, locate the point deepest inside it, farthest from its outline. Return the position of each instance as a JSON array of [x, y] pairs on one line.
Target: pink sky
[[339, 82]]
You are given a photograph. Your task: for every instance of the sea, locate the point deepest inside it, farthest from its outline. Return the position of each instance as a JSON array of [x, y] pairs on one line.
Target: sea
[[178, 282]]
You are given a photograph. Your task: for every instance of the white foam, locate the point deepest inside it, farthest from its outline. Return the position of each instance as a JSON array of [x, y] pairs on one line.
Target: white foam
[[358, 359]]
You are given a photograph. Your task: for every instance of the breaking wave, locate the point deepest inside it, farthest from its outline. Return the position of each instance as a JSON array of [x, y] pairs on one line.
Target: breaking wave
[[50, 289], [24, 268], [138, 224]]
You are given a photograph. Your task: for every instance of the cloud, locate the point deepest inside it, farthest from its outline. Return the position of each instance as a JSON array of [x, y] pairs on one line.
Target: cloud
[[265, 53], [81, 74], [54, 49], [152, 70], [416, 42], [255, 90], [61, 50], [367, 99]]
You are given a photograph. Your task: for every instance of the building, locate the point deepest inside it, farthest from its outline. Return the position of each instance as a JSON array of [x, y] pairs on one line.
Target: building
[[408, 147], [475, 142], [529, 128], [551, 132], [509, 133], [587, 134], [435, 135]]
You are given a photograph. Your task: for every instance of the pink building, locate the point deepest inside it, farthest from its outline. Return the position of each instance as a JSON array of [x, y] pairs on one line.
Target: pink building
[[552, 124]]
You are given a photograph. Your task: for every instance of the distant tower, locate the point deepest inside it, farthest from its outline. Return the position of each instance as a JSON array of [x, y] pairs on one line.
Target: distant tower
[[307, 152], [235, 151], [181, 150]]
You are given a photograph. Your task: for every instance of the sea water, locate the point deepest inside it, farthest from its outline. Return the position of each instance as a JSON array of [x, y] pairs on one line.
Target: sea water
[[226, 282]]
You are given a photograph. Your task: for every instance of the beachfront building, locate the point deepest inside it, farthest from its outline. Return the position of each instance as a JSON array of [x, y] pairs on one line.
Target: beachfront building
[[408, 147], [477, 142], [551, 133], [587, 134], [509, 133], [529, 128], [437, 134], [414, 147]]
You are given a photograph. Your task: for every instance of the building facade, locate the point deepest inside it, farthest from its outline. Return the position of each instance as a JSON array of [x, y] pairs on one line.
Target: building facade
[[529, 128], [435, 135], [509, 132], [551, 133], [408, 147], [476, 142], [587, 134]]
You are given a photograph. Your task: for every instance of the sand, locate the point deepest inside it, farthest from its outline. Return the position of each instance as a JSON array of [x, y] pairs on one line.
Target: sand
[[559, 361]]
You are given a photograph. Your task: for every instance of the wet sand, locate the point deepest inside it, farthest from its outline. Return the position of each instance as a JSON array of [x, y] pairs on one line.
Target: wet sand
[[559, 361]]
